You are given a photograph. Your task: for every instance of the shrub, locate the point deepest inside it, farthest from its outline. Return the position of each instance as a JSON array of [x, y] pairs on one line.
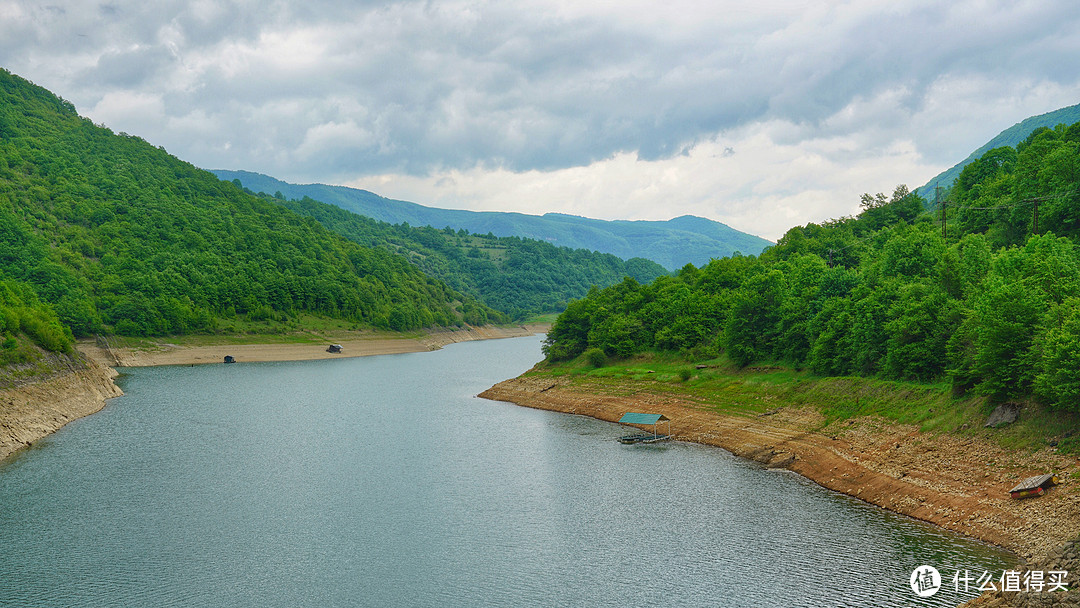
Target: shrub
[[595, 357]]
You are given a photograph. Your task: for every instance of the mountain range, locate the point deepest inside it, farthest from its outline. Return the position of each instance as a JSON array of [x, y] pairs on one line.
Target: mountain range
[[672, 243]]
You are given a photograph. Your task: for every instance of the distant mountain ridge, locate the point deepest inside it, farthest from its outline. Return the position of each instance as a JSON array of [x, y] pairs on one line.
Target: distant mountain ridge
[[672, 243], [1009, 137]]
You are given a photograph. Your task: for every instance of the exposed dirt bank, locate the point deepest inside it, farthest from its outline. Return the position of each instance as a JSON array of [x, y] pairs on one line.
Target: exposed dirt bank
[[957, 483], [32, 411], [358, 344]]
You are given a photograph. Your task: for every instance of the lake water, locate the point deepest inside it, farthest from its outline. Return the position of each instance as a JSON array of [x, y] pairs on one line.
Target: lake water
[[384, 481]]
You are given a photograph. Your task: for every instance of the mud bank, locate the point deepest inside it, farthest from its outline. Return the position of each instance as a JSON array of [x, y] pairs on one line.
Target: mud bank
[[357, 344], [957, 483], [32, 411], [960, 484]]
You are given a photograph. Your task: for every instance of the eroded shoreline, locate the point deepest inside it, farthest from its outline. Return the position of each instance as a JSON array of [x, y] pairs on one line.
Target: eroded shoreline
[[956, 483], [32, 411], [357, 344]]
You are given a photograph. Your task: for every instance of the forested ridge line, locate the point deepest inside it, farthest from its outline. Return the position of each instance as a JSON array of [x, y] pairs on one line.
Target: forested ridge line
[[103, 232], [985, 295], [671, 243], [518, 276]]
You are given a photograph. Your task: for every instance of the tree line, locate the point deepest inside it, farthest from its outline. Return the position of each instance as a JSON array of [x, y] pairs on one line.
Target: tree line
[[987, 298]]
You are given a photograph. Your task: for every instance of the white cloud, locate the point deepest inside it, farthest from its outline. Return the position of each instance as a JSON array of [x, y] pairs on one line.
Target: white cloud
[[604, 109], [134, 113], [750, 178]]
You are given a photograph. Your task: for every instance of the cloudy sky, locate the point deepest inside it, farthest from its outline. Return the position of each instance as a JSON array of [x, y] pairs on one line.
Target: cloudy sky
[[760, 115]]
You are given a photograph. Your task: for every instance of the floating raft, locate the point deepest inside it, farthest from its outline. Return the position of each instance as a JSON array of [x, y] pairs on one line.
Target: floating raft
[[1034, 486], [643, 438]]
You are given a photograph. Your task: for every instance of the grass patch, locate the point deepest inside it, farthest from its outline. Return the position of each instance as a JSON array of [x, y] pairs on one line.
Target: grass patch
[[25, 362], [721, 386]]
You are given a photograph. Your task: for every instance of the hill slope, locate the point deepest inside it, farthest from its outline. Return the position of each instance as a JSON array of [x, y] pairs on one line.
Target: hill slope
[[1009, 137], [992, 305], [117, 235], [518, 276], [672, 243]]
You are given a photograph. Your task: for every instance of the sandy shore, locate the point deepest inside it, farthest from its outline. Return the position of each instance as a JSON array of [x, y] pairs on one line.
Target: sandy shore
[[359, 344], [957, 483]]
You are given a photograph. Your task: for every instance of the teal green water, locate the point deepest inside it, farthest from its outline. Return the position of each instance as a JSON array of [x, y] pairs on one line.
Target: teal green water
[[384, 481]]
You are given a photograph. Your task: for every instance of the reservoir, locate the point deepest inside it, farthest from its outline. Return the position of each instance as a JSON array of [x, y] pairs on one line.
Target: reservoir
[[384, 481]]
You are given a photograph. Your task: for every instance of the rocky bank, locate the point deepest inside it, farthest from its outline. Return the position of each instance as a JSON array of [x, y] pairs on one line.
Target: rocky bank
[[957, 483], [31, 411]]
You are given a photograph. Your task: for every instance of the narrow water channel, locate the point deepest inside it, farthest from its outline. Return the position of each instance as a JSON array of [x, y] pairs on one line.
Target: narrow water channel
[[384, 481]]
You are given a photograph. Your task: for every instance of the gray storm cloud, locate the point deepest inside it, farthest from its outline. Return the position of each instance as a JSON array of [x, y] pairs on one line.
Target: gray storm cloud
[[332, 91]]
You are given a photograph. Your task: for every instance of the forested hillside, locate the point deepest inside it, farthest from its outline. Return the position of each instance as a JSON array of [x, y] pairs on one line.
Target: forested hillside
[[116, 235], [671, 243], [518, 276], [989, 299]]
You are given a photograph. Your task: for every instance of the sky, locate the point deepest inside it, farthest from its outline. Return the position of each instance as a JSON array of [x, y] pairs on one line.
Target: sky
[[762, 115]]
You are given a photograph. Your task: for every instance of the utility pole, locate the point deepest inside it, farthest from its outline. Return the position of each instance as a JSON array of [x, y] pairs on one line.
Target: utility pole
[[944, 218], [1035, 211]]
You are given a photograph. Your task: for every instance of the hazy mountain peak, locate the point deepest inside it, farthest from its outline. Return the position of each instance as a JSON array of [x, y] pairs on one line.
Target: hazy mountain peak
[[671, 243]]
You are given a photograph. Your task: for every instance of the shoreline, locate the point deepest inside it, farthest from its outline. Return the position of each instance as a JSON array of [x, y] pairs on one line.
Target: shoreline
[[957, 483], [32, 411], [960, 484], [354, 344]]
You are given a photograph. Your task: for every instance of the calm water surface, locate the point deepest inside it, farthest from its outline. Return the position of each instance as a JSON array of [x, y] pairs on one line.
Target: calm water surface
[[383, 481]]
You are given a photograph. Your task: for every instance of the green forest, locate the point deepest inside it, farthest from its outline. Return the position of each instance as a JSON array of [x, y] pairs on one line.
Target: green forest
[[114, 235], [520, 277], [105, 233], [982, 291]]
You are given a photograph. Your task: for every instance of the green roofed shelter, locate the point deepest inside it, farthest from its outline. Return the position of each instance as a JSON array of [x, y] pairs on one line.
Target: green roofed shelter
[[645, 419], [636, 418]]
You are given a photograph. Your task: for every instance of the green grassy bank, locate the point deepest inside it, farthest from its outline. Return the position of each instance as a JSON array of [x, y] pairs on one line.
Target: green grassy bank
[[722, 386]]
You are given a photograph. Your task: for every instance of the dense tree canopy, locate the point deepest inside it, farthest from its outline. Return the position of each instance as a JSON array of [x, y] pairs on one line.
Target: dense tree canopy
[[511, 274], [990, 300], [117, 235]]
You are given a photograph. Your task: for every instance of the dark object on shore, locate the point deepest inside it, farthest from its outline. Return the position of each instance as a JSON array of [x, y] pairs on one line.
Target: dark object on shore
[[645, 419], [333, 348], [229, 359], [1034, 486], [1006, 413]]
